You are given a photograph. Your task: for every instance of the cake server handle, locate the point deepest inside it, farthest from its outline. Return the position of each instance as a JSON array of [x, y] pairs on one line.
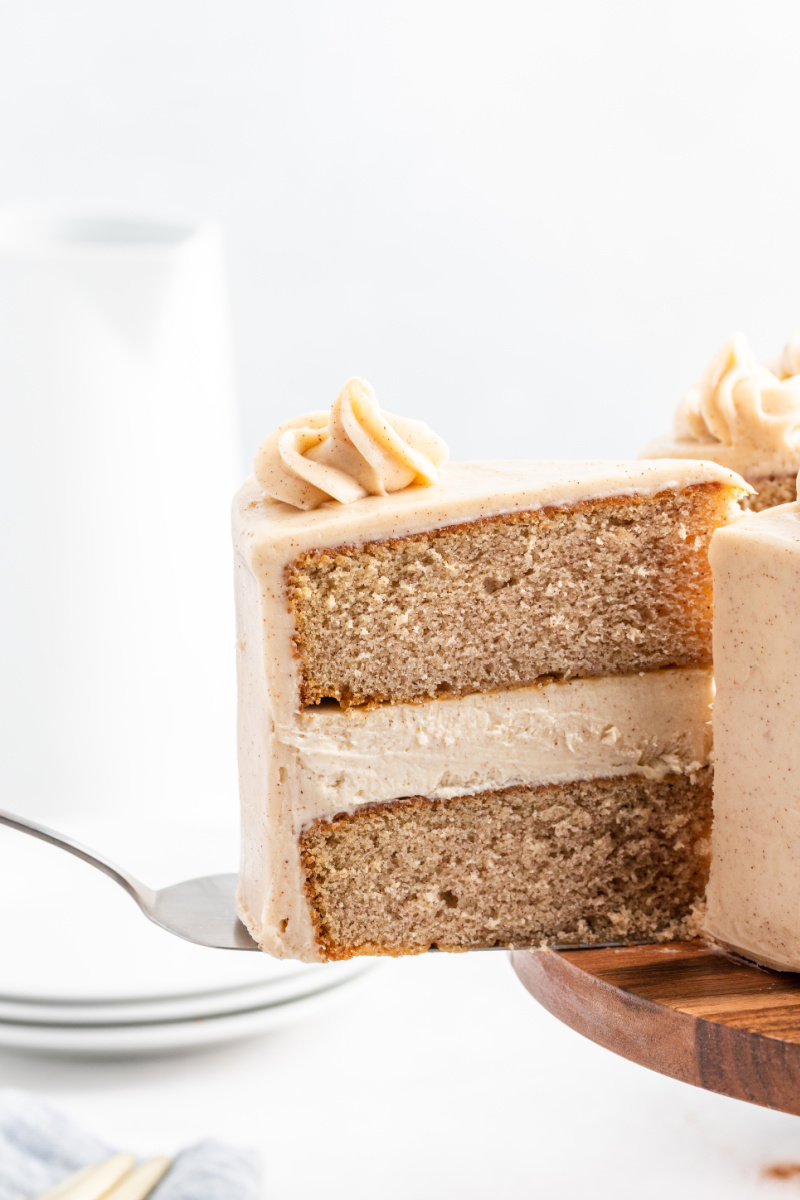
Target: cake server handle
[[142, 894], [201, 910]]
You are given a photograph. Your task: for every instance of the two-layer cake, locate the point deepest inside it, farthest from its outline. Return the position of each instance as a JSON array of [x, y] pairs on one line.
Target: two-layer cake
[[474, 698]]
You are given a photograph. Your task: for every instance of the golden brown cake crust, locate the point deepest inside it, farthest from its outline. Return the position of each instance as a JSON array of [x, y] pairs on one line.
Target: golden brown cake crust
[[614, 585], [600, 860]]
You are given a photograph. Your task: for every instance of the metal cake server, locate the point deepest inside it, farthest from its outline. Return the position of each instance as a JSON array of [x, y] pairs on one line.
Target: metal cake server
[[197, 910]]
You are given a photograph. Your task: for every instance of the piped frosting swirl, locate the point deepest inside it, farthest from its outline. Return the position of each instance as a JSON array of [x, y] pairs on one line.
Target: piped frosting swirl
[[740, 403], [355, 450]]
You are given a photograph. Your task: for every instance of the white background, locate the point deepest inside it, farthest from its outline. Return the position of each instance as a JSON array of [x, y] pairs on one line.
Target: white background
[[530, 224]]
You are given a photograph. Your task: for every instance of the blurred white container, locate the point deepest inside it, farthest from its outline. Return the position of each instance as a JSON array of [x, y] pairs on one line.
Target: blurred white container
[[118, 459]]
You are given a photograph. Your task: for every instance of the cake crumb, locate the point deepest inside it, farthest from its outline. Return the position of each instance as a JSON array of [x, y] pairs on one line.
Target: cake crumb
[[782, 1171]]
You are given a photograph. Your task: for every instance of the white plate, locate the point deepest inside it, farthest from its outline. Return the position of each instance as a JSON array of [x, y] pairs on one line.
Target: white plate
[[67, 933], [131, 1041], [179, 1008]]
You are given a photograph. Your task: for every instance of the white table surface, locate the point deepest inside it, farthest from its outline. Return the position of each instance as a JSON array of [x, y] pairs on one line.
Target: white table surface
[[439, 1078]]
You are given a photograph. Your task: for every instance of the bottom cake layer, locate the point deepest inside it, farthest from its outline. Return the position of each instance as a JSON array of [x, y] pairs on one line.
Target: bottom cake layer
[[600, 860]]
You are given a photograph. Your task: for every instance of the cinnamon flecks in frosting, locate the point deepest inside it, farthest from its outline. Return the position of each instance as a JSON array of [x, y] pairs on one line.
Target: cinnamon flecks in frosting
[[754, 890], [739, 402], [355, 450]]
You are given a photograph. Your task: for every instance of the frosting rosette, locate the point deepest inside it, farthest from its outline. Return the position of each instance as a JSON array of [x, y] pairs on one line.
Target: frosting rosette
[[354, 450], [740, 403]]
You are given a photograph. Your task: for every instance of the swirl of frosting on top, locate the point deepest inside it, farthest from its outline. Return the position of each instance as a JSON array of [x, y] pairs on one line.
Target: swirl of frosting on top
[[738, 402], [355, 450]]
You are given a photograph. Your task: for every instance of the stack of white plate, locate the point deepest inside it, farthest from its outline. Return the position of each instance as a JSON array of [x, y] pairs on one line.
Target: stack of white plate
[[83, 972]]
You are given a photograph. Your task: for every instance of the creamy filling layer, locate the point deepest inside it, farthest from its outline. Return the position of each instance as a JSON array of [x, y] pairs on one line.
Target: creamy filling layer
[[650, 724]]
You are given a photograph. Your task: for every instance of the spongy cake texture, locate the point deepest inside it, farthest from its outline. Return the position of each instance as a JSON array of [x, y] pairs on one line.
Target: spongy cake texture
[[594, 861], [773, 490], [606, 586]]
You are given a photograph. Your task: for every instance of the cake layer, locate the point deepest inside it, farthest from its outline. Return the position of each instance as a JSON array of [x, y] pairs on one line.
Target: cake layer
[[652, 724], [272, 537], [331, 761], [754, 891], [771, 491], [594, 861], [613, 585]]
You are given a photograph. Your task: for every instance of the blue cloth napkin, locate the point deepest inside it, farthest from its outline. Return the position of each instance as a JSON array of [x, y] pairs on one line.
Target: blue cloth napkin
[[39, 1147]]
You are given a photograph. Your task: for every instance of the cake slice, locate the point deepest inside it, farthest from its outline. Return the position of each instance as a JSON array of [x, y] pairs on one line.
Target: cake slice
[[744, 417], [474, 709]]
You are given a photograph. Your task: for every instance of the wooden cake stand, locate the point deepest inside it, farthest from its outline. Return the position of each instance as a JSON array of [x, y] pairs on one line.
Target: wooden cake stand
[[683, 1009]]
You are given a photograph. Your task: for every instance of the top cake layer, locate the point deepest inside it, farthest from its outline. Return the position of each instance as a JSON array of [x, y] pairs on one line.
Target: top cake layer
[[496, 576]]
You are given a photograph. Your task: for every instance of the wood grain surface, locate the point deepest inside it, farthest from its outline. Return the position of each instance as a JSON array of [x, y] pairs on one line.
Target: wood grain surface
[[683, 1009]]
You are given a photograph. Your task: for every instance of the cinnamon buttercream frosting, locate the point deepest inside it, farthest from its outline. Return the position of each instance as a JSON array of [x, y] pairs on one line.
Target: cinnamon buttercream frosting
[[754, 889], [739, 414], [355, 450]]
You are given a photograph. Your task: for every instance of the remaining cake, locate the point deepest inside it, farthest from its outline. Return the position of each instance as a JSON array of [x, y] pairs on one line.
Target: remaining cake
[[744, 417], [754, 890], [474, 698]]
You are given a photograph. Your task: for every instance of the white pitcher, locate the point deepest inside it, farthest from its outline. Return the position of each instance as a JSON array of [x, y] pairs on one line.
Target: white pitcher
[[118, 459]]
